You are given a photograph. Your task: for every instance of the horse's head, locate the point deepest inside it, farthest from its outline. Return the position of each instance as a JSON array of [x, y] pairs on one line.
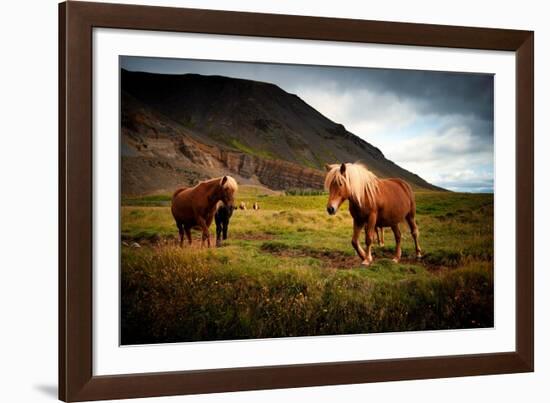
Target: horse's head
[[337, 186], [350, 181], [227, 189]]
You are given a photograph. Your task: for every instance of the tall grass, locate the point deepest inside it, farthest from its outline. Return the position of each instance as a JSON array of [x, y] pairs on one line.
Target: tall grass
[[173, 295], [289, 270]]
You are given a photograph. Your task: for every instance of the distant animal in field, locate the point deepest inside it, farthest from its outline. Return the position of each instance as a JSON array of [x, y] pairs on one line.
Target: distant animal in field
[[373, 202], [242, 206], [194, 208], [222, 216], [256, 206]]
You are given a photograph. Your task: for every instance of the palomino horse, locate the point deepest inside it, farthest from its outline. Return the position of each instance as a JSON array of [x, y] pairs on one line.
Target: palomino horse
[[195, 207], [373, 202]]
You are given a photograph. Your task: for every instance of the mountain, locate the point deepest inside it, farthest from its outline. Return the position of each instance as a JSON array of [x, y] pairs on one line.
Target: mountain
[[179, 129]]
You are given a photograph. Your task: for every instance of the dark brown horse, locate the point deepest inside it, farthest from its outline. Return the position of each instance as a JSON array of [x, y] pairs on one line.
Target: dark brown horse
[[195, 207], [373, 202], [221, 218]]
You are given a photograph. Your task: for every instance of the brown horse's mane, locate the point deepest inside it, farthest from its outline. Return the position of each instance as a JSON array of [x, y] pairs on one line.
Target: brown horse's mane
[[358, 180]]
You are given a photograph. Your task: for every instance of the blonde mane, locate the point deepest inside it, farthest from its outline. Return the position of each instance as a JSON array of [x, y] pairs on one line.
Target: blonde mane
[[230, 183], [358, 180]]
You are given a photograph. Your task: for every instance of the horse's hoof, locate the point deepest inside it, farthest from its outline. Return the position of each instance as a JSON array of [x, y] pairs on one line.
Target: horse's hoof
[[381, 244], [419, 256], [366, 263], [395, 260]]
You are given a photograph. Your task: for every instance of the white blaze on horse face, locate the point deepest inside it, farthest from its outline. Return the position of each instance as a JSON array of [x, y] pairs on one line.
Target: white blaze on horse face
[[228, 197], [333, 206], [335, 199]]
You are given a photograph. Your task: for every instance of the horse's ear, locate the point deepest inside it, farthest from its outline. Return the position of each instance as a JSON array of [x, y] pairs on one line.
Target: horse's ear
[[328, 167], [224, 179], [343, 168]]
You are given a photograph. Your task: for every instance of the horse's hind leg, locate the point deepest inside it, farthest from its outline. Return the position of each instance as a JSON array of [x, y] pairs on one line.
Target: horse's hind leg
[[415, 233], [397, 234], [188, 234], [180, 230]]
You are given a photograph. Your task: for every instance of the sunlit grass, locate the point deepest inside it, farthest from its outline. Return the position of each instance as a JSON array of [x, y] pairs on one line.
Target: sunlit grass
[[289, 269]]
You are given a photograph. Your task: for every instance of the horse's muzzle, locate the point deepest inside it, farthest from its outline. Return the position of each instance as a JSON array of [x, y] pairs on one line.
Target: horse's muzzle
[[331, 210]]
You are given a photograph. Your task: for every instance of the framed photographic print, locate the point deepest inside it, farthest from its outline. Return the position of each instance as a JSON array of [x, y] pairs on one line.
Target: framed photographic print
[[252, 201]]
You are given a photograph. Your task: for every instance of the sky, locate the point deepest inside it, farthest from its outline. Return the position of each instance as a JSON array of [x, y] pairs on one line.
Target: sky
[[438, 125]]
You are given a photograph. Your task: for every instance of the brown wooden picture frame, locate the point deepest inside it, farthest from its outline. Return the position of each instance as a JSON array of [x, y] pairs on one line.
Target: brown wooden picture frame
[[76, 23]]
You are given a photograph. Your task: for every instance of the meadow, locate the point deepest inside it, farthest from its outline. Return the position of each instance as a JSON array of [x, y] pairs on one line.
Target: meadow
[[288, 270]]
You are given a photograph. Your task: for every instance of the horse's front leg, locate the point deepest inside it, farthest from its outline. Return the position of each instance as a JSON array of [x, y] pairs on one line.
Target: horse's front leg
[[218, 234], [205, 233], [208, 238], [370, 230], [355, 242], [225, 228], [205, 237], [379, 235]]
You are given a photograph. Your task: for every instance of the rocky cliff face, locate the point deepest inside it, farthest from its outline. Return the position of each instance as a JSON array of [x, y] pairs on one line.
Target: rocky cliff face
[[159, 155], [177, 130], [275, 174]]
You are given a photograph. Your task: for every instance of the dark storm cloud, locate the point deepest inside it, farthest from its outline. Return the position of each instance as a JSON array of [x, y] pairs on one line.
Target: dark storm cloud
[[440, 93]]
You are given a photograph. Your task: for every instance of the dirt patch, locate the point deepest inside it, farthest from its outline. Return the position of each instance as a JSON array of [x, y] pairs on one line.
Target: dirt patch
[[340, 260], [329, 258]]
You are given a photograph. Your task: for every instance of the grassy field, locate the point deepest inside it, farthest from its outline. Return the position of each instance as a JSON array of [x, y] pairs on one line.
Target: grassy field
[[289, 270]]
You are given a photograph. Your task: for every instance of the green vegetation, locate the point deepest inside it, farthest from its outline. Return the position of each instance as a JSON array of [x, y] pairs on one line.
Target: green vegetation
[[153, 200], [289, 270], [304, 192], [249, 150]]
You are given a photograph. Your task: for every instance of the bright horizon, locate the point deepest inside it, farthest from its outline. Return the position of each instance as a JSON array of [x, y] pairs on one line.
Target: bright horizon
[[438, 125]]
